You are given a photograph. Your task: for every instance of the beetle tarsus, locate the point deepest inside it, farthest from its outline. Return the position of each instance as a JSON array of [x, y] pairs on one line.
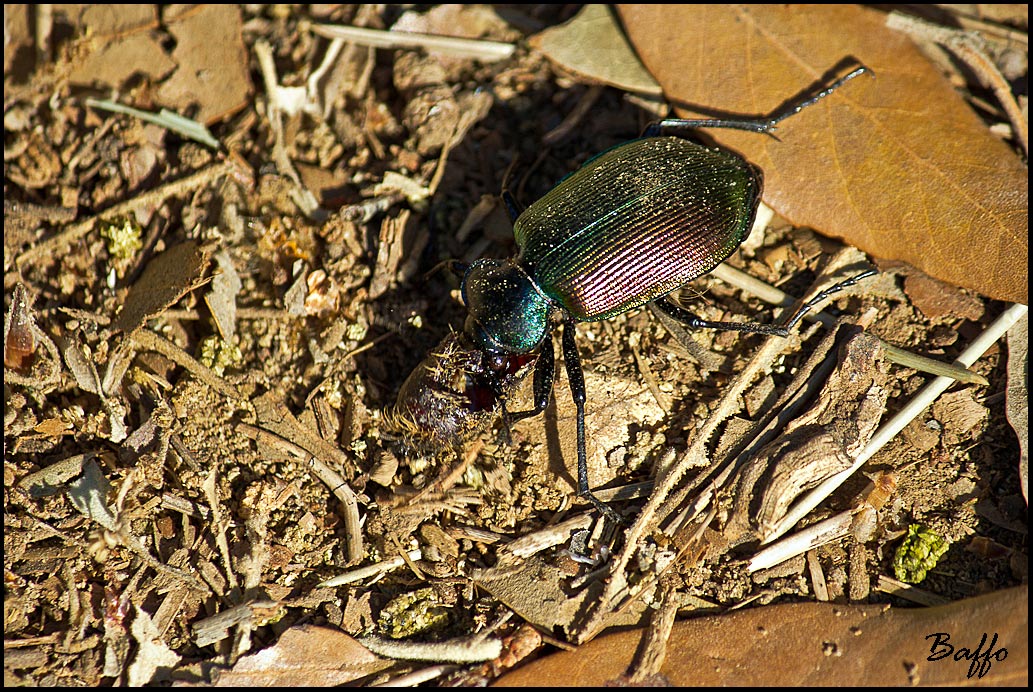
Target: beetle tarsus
[[835, 288], [607, 511], [761, 125]]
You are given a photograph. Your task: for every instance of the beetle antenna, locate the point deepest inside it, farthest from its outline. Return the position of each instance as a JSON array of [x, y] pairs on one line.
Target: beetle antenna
[[455, 266]]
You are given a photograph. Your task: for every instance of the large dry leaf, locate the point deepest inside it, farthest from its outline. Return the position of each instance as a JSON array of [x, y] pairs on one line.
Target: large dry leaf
[[898, 165], [824, 644], [305, 656]]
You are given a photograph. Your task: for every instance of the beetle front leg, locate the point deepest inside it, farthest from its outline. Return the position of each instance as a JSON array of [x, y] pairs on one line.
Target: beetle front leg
[[512, 206], [455, 266], [544, 373], [576, 377]]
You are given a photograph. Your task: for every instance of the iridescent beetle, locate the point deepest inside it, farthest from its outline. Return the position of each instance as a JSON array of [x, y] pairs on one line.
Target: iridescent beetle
[[629, 227]]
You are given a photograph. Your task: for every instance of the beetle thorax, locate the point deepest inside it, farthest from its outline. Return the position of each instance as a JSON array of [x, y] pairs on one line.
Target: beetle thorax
[[508, 313]]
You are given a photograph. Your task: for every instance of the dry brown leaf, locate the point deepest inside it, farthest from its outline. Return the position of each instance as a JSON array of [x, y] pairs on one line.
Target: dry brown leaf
[[817, 644], [213, 62], [167, 278], [592, 46], [305, 656], [898, 165]]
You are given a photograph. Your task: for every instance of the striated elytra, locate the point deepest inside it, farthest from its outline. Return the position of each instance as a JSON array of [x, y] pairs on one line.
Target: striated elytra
[[630, 226]]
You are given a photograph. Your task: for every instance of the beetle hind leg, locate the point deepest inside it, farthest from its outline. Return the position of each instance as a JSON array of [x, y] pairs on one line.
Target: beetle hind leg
[[764, 124], [693, 322]]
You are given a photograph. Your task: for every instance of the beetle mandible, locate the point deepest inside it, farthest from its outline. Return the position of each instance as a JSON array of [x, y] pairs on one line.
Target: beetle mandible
[[629, 227]]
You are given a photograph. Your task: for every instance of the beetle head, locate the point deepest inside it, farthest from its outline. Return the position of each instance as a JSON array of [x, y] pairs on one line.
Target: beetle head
[[508, 313]]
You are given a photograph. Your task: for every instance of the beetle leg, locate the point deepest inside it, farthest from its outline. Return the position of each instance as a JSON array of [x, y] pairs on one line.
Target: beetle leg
[[512, 206], [835, 288], [576, 377], [456, 267], [507, 422], [692, 321], [544, 373], [765, 124]]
